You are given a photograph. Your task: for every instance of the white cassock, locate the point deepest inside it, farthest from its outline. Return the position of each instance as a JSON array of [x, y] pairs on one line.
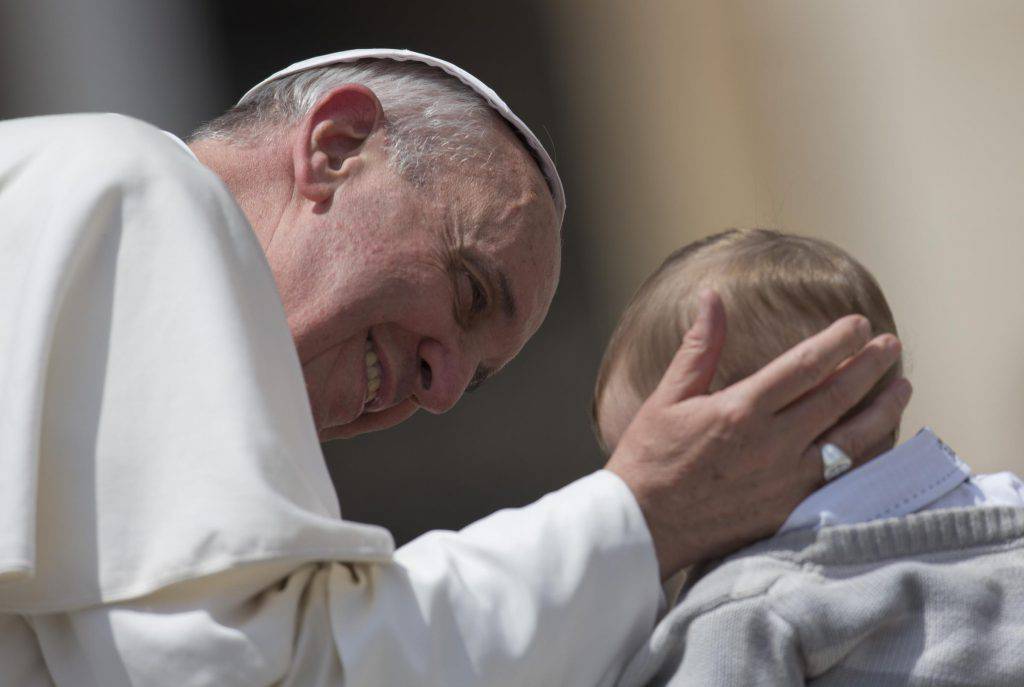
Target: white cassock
[[166, 517]]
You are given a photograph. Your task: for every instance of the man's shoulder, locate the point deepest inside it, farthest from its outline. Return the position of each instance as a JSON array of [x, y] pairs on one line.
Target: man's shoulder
[[109, 131], [113, 131], [114, 175], [103, 147]]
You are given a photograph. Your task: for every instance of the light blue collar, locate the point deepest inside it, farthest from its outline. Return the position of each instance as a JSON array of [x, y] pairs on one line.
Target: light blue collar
[[896, 483]]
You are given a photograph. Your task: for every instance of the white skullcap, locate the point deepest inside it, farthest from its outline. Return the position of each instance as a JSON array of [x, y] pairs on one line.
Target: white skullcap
[[483, 90]]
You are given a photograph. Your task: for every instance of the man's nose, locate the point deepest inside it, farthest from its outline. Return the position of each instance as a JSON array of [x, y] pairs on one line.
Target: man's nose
[[443, 376]]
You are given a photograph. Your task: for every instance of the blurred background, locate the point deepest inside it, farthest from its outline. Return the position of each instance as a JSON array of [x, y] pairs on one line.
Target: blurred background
[[891, 128]]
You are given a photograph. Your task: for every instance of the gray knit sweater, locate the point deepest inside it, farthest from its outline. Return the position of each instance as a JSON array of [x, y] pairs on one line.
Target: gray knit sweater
[[933, 598]]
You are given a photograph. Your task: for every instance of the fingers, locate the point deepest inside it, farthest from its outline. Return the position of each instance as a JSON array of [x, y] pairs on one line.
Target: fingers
[[822, 408], [873, 425], [860, 436], [693, 367], [806, 365]]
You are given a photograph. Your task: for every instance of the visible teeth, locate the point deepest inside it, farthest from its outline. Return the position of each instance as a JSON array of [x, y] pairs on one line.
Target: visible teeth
[[373, 372]]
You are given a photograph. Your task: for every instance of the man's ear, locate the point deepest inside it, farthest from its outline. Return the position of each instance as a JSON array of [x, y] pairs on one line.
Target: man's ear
[[331, 136]]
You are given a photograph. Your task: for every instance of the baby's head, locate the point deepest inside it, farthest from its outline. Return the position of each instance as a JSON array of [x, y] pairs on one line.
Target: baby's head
[[778, 289]]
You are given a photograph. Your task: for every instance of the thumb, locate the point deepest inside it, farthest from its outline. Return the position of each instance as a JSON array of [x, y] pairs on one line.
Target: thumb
[[694, 364]]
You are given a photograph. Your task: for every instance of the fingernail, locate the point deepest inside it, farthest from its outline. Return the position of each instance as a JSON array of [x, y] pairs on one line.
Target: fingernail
[[864, 327], [703, 308], [904, 391], [707, 297]]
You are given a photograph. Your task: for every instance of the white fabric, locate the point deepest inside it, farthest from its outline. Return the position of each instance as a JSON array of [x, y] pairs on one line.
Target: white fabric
[[920, 474], [486, 92], [180, 143], [999, 489], [153, 417], [520, 598], [168, 518]]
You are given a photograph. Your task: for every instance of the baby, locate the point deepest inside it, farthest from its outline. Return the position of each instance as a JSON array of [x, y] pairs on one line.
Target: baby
[[905, 571]]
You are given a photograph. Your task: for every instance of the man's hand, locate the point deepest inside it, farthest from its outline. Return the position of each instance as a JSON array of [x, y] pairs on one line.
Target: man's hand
[[715, 472]]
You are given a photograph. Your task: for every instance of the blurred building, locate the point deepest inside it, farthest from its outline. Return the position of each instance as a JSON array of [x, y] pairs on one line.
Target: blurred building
[[890, 128]]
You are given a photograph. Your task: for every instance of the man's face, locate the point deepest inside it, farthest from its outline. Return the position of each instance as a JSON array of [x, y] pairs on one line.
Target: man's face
[[400, 296]]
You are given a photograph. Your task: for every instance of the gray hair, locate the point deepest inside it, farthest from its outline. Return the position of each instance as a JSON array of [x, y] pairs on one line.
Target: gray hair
[[432, 120]]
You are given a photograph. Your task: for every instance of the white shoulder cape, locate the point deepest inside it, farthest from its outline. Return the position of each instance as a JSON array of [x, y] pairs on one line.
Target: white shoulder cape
[[154, 425]]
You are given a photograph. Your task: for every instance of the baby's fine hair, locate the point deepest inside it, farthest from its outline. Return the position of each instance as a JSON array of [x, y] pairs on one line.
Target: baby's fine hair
[[777, 288]]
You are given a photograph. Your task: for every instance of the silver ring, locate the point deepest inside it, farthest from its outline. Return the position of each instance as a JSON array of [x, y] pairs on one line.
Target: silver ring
[[834, 461]]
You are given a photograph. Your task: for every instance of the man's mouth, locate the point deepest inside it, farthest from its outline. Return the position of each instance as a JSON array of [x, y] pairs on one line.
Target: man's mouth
[[373, 374]]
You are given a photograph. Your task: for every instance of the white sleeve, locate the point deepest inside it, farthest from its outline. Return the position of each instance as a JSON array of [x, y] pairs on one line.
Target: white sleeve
[[21, 663], [561, 592]]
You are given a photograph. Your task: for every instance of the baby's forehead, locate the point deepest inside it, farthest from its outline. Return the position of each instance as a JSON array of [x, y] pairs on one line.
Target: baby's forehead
[[617, 406]]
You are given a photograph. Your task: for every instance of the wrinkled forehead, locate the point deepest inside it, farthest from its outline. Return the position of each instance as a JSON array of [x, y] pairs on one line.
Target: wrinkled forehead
[[508, 211], [501, 197], [503, 222], [508, 167]]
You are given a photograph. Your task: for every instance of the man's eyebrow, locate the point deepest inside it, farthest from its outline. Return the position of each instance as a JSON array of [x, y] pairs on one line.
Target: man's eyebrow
[[499, 281], [481, 375], [508, 301]]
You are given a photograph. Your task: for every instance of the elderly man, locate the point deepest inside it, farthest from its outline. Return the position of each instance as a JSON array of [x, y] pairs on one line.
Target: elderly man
[[167, 517]]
